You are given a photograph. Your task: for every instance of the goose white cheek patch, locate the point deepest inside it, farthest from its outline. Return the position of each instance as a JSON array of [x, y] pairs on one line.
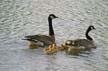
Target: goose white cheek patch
[[68, 42], [52, 17]]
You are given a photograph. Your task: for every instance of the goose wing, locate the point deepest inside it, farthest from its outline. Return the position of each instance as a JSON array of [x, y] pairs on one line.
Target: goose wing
[[41, 38], [85, 43]]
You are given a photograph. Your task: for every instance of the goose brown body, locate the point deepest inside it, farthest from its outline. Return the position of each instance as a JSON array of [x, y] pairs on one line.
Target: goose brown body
[[46, 40], [42, 40], [81, 44]]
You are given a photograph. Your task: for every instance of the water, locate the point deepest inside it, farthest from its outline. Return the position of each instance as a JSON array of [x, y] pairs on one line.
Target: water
[[25, 17]]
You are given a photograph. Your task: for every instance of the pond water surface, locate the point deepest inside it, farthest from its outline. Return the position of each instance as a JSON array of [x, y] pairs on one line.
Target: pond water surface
[[27, 17]]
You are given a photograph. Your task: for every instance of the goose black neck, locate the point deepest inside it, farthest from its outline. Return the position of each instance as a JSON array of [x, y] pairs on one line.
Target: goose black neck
[[51, 31], [87, 36]]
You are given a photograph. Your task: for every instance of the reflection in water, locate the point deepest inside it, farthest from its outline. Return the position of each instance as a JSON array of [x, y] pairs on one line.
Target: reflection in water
[[25, 17], [50, 62]]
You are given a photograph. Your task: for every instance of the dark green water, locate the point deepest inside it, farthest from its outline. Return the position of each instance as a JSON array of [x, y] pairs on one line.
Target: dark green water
[[25, 17]]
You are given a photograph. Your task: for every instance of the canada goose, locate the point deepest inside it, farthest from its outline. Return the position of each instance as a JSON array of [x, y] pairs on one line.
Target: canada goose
[[87, 43], [42, 40], [51, 49]]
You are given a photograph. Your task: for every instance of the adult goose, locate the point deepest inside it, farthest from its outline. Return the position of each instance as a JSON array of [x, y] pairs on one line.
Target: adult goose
[[42, 40], [87, 43]]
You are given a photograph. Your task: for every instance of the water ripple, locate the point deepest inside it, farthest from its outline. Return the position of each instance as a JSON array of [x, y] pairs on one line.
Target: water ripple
[[25, 17]]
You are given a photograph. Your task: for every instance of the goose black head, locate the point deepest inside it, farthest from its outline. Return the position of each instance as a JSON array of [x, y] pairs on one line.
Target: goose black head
[[52, 16], [91, 27]]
